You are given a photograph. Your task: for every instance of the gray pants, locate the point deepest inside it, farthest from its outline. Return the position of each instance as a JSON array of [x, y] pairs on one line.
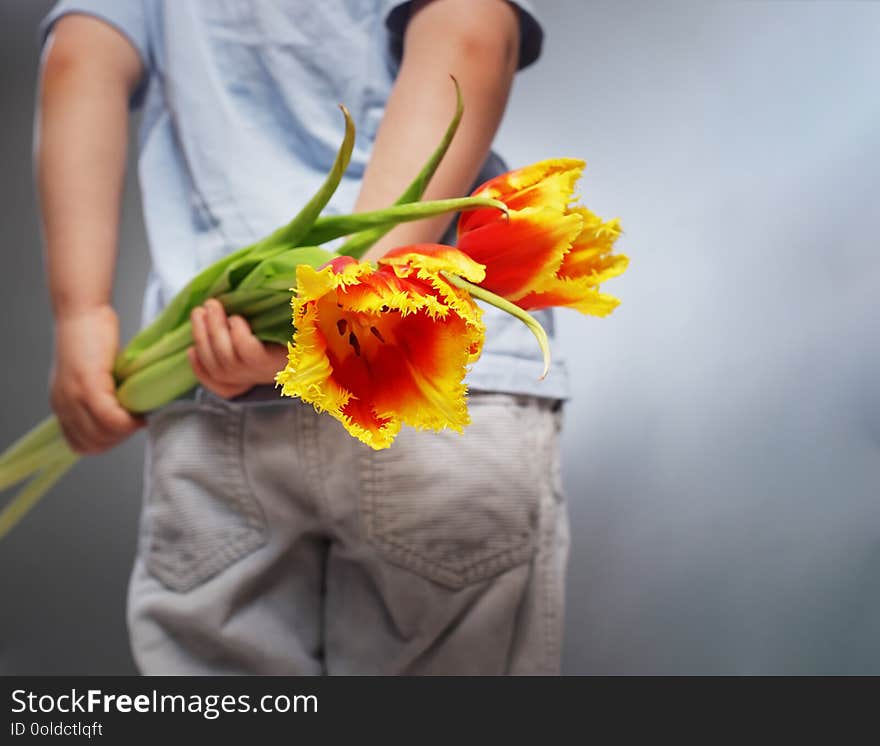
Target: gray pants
[[272, 542]]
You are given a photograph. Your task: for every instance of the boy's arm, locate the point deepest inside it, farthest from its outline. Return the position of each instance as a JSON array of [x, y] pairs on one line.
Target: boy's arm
[[88, 73], [477, 41]]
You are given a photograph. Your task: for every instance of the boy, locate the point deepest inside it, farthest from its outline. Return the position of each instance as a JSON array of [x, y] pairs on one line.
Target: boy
[[272, 542]]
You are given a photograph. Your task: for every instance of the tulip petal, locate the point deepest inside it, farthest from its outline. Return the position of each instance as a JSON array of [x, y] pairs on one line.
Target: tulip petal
[[546, 251], [577, 294], [548, 184], [378, 348], [436, 258], [590, 254], [423, 367], [522, 252]]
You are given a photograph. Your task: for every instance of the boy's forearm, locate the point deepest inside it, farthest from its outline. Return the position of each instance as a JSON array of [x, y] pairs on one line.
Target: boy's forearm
[[81, 143], [477, 42]]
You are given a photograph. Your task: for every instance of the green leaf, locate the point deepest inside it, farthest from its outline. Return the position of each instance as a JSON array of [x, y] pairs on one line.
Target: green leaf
[[283, 265], [271, 320], [280, 334]]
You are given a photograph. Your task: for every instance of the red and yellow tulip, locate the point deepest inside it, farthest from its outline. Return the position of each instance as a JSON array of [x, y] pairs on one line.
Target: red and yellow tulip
[[380, 347], [545, 252]]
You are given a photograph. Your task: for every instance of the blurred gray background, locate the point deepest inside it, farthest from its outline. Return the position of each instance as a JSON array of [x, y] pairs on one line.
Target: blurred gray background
[[723, 445]]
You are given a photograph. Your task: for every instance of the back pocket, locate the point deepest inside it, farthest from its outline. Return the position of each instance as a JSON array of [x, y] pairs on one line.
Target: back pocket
[[200, 514], [457, 509]]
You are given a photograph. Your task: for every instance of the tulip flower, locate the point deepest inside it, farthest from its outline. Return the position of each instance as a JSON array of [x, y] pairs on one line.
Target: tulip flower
[[544, 252], [378, 347]]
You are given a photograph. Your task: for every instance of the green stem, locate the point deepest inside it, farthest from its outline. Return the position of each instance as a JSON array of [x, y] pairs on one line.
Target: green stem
[[28, 496], [505, 305], [158, 384], [173, 341], [28, 463], [46, 432], [333, 226]]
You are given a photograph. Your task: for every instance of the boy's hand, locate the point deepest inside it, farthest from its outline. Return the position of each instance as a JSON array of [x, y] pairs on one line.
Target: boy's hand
[[82, 389], [226, 356]]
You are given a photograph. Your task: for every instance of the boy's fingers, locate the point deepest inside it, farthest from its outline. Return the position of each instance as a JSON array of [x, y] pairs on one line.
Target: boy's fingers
[[262, 359], [217, 326], [197, 365], [72, 438], [68, 418], [207, 380], [205, 376], [276, 354], [274, 359], [248, 348], [201, 342], [113, 417], [86, 436]]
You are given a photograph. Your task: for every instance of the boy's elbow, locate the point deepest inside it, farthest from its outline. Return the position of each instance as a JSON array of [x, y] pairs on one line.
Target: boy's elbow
[[480, 46], [61, 57], [483, 34], [82, 48], [67, 71]]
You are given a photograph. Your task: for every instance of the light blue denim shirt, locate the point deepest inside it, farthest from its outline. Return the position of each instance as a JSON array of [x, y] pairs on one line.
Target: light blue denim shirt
[[240, 124]]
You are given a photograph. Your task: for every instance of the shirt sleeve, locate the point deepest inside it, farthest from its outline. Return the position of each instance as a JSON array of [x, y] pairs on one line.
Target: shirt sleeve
[[531, 34], [128, 17]]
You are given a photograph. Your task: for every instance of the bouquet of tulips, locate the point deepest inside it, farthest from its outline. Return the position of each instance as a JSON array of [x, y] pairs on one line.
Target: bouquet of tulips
[[375, 346]]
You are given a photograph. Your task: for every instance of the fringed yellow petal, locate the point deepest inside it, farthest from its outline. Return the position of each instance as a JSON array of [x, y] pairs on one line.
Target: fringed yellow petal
[[563, 173], [378, 348], [545, 252], [577, 294], [436, 258]]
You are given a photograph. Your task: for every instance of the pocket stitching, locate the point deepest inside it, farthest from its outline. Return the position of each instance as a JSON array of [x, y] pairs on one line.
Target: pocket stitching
[[235, 542], [485, 564], [481, 567]]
